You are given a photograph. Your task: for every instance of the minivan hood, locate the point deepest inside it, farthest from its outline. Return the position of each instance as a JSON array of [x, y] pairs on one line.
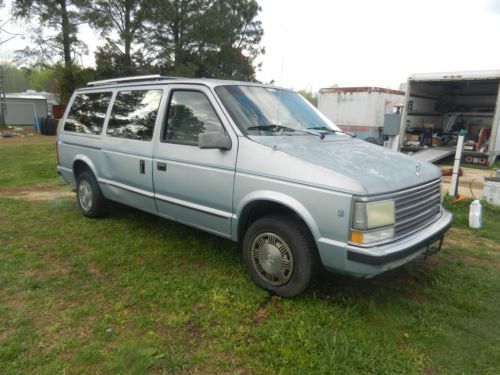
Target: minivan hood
[[378, 169]]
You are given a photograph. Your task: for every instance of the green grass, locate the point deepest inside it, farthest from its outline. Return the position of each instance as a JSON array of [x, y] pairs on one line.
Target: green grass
[[133, 293], [27, 164]]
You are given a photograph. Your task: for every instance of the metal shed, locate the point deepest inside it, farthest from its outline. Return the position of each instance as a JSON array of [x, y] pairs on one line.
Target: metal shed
[[23, 108]]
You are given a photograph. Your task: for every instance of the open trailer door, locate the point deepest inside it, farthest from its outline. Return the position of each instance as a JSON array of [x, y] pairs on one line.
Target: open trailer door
[[495, 134], [441, 106]]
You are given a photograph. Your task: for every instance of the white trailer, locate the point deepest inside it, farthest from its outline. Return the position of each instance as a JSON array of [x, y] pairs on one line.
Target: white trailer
[[359, 110], [439, 106]]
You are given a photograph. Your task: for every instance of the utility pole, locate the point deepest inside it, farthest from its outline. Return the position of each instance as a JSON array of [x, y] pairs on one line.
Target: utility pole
[[3, 106]]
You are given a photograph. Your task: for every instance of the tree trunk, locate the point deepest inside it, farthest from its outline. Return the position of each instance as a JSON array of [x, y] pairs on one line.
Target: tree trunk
[[178, 55], [68, 61], [65, 34], [128, 40]]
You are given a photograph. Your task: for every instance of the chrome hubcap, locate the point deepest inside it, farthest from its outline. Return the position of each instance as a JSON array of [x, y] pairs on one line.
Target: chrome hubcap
[[85, 195], [272, 258]]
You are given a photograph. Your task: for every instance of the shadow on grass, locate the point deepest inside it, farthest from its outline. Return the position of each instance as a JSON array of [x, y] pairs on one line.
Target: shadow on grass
[[406, 281]]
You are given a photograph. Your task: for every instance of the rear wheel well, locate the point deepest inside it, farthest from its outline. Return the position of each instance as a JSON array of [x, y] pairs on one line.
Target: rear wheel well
[[79, 166], [258, 209]]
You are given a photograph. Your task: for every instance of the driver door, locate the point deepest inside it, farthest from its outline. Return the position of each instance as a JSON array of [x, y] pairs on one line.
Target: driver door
[[192, 185]]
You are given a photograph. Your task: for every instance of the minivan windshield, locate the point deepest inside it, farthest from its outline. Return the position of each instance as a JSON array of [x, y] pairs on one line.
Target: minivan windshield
[[270, 111]]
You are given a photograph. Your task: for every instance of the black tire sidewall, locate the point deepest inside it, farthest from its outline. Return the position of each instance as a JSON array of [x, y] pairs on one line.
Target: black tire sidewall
[[97, 198], [301, 246]]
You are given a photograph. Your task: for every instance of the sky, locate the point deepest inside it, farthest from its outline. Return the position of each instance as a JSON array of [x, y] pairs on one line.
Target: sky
[[312, 44], [319, 43]]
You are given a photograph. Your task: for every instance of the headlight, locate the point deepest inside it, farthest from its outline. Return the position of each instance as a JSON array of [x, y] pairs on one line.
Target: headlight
[[369, 215], [373, 221]]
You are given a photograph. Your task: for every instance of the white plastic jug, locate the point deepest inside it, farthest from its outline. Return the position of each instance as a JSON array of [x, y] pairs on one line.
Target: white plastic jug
[[475, 214]]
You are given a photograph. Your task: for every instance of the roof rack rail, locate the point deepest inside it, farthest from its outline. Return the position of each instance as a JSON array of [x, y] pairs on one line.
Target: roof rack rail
[[150, 77]]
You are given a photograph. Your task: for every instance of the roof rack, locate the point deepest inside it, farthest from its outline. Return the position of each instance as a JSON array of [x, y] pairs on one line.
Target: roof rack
[[150, 77]]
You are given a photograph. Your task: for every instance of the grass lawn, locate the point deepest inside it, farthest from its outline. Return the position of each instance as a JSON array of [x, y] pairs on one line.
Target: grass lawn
[[133, 293]]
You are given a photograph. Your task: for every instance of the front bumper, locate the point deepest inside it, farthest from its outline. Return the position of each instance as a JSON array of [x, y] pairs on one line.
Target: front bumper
[[368, 262], [380, 255], [375, 260]]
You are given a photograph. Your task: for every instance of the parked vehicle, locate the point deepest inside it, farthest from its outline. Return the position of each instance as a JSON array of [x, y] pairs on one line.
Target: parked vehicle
[[359, 110], [256, 164]]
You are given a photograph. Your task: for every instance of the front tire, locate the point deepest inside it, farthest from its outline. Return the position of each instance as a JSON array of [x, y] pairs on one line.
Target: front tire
[[280, 255], [90, 200]]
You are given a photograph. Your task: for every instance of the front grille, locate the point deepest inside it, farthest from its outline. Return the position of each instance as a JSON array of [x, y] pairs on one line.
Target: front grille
[[417, 207]]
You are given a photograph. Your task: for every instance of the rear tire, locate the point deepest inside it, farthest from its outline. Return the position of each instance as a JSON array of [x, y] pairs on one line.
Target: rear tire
[[90, 200], [280, 255]]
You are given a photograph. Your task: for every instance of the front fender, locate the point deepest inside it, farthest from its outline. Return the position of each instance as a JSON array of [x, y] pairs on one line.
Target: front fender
[[283, 199]]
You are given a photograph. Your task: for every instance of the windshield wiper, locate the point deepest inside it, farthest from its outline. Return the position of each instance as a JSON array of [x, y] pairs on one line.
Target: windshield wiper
[[277, 128], [324, 128], [271, 127], [280, 129]]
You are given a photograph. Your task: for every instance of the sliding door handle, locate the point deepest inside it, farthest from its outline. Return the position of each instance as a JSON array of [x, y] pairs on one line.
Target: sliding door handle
[[142, 166], [161, 166]]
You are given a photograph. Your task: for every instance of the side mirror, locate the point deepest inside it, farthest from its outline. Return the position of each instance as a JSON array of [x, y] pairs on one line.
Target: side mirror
[[214, 140]]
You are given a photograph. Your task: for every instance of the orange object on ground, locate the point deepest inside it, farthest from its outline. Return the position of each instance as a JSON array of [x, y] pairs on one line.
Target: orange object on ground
[[459, 199], [449, 172]]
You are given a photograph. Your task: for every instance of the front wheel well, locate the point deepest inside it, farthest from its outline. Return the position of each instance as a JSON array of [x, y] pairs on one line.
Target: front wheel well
[[258, 209]]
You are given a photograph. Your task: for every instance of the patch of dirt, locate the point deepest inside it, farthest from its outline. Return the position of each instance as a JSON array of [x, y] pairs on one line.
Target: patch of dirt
[[30, 244], [15, 302], [260, 314], [459, 238], [473, 259], [35, 193], [53, 266], [463, 243], [24, 136], [96, 272], [194, 332]]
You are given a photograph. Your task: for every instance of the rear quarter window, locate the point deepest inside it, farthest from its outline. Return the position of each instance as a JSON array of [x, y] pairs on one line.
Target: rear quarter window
[[87, 113]]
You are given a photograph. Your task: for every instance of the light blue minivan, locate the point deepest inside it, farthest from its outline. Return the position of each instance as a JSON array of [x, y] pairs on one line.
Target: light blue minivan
[[256, 164]]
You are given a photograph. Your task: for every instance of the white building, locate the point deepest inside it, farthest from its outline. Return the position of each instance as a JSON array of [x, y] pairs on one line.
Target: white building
[[22, 108]]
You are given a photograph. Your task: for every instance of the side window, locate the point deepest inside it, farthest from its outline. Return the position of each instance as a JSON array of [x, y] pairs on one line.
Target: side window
[[134, 114], [87, 113], [189, 114]]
